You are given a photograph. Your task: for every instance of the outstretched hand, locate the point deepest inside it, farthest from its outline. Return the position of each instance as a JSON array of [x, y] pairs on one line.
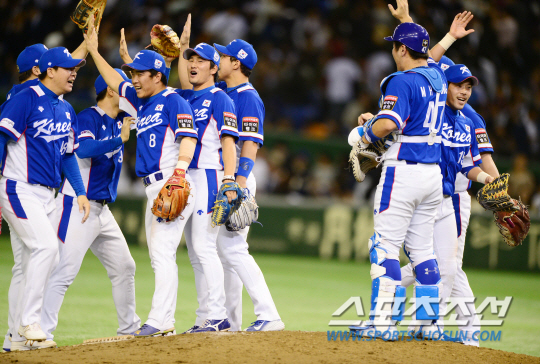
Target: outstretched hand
[[124, 54], [401, 12], [457, 29], [186, 34], [91, 37]]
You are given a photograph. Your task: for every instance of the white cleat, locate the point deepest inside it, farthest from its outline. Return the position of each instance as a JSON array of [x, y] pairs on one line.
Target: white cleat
[[32, 332], [262, 325], [32, 345]]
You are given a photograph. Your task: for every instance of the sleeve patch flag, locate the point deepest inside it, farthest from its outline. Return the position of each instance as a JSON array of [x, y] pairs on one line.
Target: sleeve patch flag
[[481, 136], [389, 102], [185, 121], [229, 119], [250, 124]]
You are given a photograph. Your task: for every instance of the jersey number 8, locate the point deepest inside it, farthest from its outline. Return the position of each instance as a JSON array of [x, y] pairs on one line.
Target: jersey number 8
[[152, 142]]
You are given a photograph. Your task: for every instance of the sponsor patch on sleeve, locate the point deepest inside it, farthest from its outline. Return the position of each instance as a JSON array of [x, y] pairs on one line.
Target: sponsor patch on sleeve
[[86, 134], [481, 136], [250, 124], [389, 102], [229, 119], [185, 121]]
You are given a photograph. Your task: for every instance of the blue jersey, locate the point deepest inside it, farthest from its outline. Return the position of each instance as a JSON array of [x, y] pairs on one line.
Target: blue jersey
[[482, 138], [42, 133], [458, 142], [415, 101], [215, 116], [18, 88], [161, 122], [100, 174]]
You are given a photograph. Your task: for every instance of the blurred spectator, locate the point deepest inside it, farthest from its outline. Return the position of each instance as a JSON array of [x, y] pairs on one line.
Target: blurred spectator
[[521, 181]]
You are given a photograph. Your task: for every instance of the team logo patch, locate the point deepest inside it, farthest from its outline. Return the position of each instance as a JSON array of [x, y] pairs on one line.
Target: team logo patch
[[444, 66], [424, 43], [206, 103], [119, 123], [250, 124], [229, 119], [185, 121], [158, 63], [389, 102], [242, 54], [68, 115], [481, 136], [103, 127], [467, 128], [40, 109], [159, 107]]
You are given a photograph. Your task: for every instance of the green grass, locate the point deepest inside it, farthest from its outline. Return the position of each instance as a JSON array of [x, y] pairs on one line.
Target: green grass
[[306, 291]]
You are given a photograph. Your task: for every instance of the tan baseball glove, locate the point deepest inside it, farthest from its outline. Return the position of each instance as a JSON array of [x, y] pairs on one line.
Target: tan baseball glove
[[165, 41], [84, 9], [173, 197]]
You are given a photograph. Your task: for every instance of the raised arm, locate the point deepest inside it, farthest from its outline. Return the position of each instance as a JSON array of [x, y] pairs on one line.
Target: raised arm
[[401, 12], [457, 31], [124, 54], [111, 77], [182, 63], [81, 52]]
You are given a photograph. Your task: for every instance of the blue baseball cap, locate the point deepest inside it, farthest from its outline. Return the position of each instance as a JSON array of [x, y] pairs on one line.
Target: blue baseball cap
[[147, 60], [59, 57], [459, 73], [30, 56], [414, 36], [101, 85], [203, 50], [445, 62], [241, 50]]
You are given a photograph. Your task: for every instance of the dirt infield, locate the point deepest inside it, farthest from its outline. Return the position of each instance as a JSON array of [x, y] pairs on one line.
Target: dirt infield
[[268, 347]]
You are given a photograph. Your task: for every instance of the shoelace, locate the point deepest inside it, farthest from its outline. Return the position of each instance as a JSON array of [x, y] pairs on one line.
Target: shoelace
[[144, 327], [257, 323]]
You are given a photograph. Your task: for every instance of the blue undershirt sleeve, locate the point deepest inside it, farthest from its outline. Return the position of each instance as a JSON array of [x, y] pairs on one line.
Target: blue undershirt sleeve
[[70, 169], [90, 148]]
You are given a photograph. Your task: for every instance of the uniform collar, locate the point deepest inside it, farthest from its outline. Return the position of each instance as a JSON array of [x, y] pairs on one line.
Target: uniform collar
[[231, 89], [452, 112], [51, 95], [152, 98], [203, 91]]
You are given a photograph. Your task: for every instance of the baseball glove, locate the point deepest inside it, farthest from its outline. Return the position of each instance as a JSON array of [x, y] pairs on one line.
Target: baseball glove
[[165, 41], [173, 197], [382, 144], [513, 226], [84, 9], [222, 209], [494, 196], [363, 160], [246, 214]]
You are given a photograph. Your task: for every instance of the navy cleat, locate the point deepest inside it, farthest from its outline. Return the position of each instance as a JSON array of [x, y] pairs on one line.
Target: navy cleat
[[214, 326], [263, 325], [191, 329], [149, 331]]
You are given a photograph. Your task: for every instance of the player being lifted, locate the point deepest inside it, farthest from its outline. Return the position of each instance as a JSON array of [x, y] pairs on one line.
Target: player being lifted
[[38, 126], [166, 140], [102, 131]]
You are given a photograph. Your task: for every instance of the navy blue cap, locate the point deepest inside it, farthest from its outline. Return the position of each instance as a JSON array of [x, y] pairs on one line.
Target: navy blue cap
[[147, 60], [59, 57], [101, 85], [30, 56], [241, 50], [445, 62], [203, 50], [414, 36], [459, 73]]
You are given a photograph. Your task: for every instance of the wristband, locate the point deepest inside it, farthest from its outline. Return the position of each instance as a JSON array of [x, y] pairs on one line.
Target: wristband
[[182, 165], [230, 177], [482, 176], [447, 41], [245, 166], [372, 138]]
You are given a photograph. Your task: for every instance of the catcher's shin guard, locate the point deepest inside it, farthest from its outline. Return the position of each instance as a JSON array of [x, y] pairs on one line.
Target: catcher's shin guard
[[387, 294], [426, 293]]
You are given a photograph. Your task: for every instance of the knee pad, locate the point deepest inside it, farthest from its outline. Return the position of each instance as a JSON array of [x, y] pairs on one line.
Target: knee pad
[[427, 272]]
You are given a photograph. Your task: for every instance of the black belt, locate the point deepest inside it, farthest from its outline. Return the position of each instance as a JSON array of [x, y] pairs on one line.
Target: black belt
[[49, 187], [101, 202], [409, 162], [147, 180]]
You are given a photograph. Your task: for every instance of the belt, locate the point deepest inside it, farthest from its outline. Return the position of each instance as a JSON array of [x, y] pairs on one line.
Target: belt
[[101, 202], [409, 162], [39, 184], [417, 139], [151, 178]]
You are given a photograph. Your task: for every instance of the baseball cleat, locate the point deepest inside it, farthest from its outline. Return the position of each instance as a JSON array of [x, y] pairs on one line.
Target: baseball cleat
[[191, 329], [263, 325], [214, 326], [149, 331], [32, 345], [32, 332]]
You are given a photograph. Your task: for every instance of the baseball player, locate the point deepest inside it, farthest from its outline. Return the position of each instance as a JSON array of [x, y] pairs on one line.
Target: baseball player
[[28, 68], [410, 189], [237, 61], [166, 141], [214, 162], [102, 131], [458, 142], [37, 135]]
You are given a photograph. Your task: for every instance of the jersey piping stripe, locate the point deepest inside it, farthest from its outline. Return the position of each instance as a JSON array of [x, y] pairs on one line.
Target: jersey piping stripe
[[387, 189], [67, 204], [16, 206], [455, 203], [198, 147], [220, 150], [212, 183]]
